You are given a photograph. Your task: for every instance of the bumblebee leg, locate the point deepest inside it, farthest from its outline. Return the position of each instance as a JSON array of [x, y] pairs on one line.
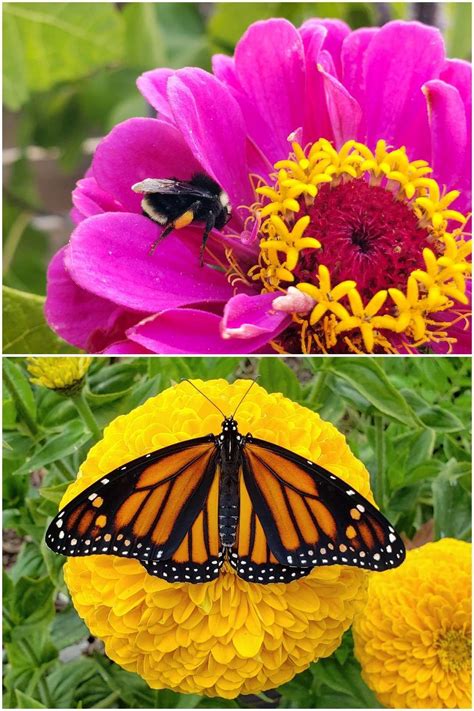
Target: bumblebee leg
[[161, 237], [210, 222]]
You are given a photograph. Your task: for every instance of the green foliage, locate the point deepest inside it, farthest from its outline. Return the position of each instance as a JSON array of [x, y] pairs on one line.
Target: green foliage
[[25, 329], [407, 419], [39, 39]]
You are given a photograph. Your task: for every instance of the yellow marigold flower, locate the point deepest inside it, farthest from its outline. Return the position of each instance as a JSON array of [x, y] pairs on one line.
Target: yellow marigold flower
[[228, 636], [413, 638], [65, 375]]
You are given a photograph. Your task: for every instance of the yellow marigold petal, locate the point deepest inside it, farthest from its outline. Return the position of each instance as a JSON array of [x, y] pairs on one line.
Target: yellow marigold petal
[[247, 644]]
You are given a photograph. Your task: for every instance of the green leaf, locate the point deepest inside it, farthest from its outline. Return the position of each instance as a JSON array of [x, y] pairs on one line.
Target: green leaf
[[185, 34], [9, 414], [15, 86], [27, 702], [277, 377], [368, 379], [24, 327], [73, 680], [58, 447], [434, 416], [68, 629], [33, 604], [458, 35], [49, 43], [144, 40], [421, 448], [452, 506], [20, 390], [54, 493], [26, 249], [28, 564]]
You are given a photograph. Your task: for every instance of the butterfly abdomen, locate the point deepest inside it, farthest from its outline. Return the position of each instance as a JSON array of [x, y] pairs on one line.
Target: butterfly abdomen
[[228, 507], [230, 445]]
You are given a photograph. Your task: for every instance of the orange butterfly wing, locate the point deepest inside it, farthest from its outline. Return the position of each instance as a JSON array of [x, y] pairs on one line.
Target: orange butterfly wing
[[296, 515], [160, 509]]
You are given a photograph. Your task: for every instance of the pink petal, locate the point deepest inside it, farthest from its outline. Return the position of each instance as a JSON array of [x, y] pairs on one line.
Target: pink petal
[[459, 73], [401, 57], [189, 331], [125, 348], [109, 256], [317, 123], [81, 318], [223, 67], [90, 200], [451, 159], [293, 301], [336, 32], [353, 53], [344, 111], [211, 123], [137, 149], [247, 317], [270, 66], [153, 86]]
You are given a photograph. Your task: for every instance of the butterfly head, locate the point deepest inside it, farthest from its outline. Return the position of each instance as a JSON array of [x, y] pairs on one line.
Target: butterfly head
[[229, 425]]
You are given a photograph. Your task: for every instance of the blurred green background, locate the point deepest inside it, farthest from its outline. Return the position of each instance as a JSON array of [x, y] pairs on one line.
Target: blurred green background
[[69, 72], [407, 419]]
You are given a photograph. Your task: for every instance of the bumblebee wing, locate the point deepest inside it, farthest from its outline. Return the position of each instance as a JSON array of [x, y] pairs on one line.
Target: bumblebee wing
[[145, 509], [160, 186]]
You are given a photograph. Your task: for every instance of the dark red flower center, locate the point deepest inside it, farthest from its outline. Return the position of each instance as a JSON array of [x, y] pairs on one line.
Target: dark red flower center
[[366, 234]]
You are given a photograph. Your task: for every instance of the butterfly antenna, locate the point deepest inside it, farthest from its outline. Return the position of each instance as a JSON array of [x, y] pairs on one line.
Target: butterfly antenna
[[185, 380], [243, 398]]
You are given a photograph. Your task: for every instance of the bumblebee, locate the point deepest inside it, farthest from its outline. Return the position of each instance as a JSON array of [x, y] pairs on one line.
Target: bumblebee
[[174, 204]]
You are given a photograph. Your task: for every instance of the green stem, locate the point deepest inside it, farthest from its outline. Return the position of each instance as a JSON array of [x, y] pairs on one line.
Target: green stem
[[85, 412], [379, 487], [13, 239], [108, 702]]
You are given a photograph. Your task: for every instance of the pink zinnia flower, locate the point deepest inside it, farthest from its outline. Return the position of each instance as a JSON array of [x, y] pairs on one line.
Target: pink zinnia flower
[[346, 157]]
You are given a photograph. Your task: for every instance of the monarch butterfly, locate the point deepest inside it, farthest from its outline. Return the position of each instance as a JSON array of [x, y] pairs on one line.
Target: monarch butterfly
[[183, 510]]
